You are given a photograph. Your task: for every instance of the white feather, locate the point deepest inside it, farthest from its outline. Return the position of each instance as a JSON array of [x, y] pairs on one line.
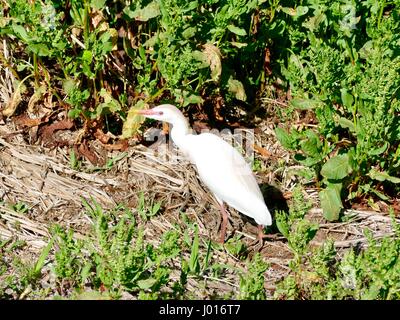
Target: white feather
[[220, 166], [226, 173]]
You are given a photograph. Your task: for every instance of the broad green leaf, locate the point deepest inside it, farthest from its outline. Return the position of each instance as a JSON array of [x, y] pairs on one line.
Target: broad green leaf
[[236, 30], [192, 99], [314, 22], [147, 283], [156, 207], [304, 104], [106, 40], [284, 138], [347, 99], [337, 186], [372, 293], [295, 12], [88, 71], [87, 56], [367, 50], [337, 168], [380, 150], [109, 105], [331, 203], [237, 88], [20, 32], [74, 113], [191, 6], [307, 161], [151, 42], [311, 145], [40, 49], [97, 4], [201, 57], [150, 11], [282, 226], [382, 176], [301, 11], [133, 120], [189, 32], [346, 123]]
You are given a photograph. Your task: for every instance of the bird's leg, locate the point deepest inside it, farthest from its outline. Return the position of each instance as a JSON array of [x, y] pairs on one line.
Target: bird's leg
[[260, 234], [224, 222], [259, 241]]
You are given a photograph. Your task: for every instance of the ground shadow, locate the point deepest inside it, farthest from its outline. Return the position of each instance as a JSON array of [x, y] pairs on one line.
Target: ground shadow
[[274, 198], [275, 201]]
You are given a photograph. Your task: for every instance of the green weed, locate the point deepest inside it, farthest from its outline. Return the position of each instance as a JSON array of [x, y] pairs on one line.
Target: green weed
[[117, 259], [342, 65], [93, 55], [147, 210], [252, 281], [294, 227], [20, 276], [321, 273]]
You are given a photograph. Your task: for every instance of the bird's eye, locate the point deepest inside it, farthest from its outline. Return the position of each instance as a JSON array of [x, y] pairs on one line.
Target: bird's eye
[[160, 113]]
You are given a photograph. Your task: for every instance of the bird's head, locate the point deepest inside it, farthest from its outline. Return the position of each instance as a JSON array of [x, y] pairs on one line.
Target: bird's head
[[165, 112]]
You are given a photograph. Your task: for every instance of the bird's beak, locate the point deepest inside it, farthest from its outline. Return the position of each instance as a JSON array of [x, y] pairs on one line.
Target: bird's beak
[[149, 112], [146, 112]]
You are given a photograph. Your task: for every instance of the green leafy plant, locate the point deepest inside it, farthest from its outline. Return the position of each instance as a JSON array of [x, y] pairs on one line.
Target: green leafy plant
[[93, 55], [119, 259], [25, 275], [252, 281], [146, 210], [294, 227], [371, 273], [342, 67]]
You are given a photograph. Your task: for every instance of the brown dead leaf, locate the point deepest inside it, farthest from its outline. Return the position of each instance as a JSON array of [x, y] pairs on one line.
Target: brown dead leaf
[[36, 97], [97, 18], [105, 141], [214, 58], [85, 151], [47, 132], [101, 136], [12, 104], [267, 62], [24, 121], [264, 152], [121, 145], [256, 23], [218, 105]]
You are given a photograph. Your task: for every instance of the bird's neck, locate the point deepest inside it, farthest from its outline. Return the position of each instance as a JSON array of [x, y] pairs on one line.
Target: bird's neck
[[179, 132]]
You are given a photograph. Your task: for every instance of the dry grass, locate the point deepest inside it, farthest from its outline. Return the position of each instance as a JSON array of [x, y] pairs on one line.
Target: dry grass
[[43, 179]]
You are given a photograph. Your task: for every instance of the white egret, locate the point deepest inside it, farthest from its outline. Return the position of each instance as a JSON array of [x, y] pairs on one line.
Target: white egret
[[220, 167]]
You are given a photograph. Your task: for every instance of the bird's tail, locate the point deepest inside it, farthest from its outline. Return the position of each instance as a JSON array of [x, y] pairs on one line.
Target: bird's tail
[[263, 216], [267, 217]]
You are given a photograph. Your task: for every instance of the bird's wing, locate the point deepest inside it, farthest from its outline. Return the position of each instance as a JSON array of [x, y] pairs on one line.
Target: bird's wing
[[222, 168]]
